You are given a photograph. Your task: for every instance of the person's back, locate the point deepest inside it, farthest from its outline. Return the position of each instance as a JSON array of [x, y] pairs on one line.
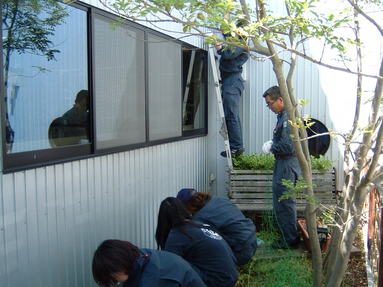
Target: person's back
[[163, 269], [236, 229], [227, 218], [117, 261], [206, 251]]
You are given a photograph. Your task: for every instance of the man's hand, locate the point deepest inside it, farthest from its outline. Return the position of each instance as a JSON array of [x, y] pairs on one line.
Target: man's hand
[[267, 147]]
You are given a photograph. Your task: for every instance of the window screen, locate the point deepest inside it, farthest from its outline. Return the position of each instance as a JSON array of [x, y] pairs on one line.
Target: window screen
[[119, 84], [164, 84]]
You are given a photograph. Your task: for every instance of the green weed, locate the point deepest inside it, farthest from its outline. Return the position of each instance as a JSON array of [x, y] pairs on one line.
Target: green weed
[[281, 272], [274, 268], [266, 162], [254, 161]]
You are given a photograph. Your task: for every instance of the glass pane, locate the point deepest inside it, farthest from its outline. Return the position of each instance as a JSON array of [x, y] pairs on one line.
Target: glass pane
[[195, 81], [119, 84], [164, 88], [45, 75]]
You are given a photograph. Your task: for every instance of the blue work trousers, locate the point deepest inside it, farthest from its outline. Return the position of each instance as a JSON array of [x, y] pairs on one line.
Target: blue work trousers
[[231, 101], [285, 210]]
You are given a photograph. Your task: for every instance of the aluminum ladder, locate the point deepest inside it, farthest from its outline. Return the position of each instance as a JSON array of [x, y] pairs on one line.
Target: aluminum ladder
[[223, 130]]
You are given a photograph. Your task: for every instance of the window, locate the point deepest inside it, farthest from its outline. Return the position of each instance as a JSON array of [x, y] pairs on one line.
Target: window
[[119, 84], [195, 89], [76, 84], [45, 74], [164, 66]]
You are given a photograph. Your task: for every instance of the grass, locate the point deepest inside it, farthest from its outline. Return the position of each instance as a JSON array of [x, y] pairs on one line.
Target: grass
[[281, 272], [275, 268]]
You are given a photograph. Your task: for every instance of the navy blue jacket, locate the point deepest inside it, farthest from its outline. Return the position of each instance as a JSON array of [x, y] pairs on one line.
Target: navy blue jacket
[[206, 251], [230, 66], [156, 268], [282, 143], [236, 229]]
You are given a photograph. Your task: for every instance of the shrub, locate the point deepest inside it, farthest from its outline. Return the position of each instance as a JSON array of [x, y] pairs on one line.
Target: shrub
[[266, 162], [254, 161], [321, 163]]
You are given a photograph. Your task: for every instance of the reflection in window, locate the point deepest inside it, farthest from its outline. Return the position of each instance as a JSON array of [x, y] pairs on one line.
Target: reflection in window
[[73, 126], [119, 84], [45, 67], [194, 79]]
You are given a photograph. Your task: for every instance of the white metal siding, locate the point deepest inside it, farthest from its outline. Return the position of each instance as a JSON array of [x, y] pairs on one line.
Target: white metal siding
[[53, 218]]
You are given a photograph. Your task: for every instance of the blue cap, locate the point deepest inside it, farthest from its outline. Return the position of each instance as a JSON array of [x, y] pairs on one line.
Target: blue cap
[[185, 194]]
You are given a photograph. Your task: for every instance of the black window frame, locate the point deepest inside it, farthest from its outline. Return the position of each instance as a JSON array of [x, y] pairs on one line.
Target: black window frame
[[37, 158]]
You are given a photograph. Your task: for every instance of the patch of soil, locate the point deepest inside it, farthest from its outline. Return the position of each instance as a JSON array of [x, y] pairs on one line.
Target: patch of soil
[[356, 269]]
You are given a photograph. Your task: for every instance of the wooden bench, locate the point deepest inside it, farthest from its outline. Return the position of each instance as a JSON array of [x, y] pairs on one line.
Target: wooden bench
[[251, 190]]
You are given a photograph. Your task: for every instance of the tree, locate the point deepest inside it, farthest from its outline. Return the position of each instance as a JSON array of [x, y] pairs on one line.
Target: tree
[[27, 26], [270, 34]]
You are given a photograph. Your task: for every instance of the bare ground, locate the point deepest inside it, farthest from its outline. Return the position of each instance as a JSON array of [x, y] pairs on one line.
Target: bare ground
[[356, 270]]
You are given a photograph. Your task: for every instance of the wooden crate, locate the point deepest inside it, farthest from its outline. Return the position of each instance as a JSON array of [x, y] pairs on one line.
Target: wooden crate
[[251, 189]]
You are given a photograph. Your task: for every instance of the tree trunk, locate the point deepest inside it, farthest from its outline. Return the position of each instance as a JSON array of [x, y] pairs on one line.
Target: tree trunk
[[345, 241], [305, 165]]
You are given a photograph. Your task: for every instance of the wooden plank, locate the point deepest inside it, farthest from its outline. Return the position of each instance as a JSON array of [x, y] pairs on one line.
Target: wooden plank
[[315, 174], [260, 177], [234, 187], [251, 190], [251, 183], [244, 171], [251, 195], [257, 195]]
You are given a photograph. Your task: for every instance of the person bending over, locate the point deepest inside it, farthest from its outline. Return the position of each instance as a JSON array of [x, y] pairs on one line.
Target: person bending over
[[198, 243], [117, 261], [227, 218]]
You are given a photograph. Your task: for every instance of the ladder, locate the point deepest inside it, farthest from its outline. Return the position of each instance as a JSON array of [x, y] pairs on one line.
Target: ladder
[[223, 130], [186, 94]]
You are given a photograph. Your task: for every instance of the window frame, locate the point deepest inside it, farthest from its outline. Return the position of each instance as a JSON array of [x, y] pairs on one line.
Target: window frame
[[37, 158]]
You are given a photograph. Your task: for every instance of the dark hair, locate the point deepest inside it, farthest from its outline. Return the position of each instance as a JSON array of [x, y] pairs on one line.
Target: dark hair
[[273, 92], [113, 256], [172, 213], [197, 201], [82, 95]]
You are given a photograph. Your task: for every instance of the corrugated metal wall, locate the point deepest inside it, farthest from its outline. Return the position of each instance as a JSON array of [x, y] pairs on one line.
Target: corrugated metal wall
[[53, 218], [259, 120]]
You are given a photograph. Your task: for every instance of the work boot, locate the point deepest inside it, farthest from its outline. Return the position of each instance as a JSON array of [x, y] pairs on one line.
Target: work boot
[[234, 152]]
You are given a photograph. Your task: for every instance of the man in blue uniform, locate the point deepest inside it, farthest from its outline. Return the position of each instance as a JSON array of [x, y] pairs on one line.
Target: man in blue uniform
[[117, 261], [286, 167], [230, 66]]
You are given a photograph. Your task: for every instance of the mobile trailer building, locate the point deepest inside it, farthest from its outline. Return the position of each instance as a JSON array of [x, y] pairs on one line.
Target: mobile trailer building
[[58, 202]]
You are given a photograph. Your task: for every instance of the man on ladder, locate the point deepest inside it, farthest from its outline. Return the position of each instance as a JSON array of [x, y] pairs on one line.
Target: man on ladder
[[232, 86]]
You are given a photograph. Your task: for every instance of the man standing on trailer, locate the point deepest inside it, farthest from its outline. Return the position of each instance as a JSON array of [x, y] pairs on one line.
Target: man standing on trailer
[[230, 66]]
